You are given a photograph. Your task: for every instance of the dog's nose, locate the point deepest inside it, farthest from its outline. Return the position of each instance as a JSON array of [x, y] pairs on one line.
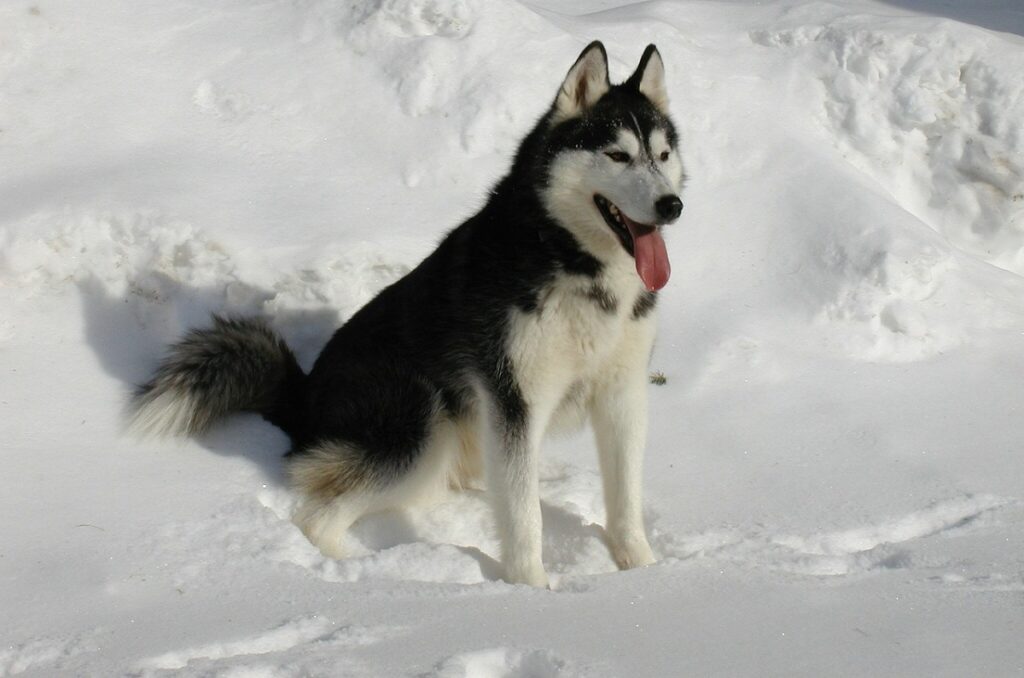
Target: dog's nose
[[669, 207]]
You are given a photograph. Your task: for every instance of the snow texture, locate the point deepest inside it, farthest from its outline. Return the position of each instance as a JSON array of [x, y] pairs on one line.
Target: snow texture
[[836, 458]]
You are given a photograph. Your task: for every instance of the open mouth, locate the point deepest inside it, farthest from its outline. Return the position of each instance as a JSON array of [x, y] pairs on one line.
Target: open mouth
[[621, 225], [643, 242]]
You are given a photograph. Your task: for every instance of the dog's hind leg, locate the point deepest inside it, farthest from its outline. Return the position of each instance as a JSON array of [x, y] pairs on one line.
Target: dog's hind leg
[[341, 483], [337, 488], [325, 524]]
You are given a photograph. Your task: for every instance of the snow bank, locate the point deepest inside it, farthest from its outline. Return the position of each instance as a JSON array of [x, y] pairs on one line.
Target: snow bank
[[933, 111]]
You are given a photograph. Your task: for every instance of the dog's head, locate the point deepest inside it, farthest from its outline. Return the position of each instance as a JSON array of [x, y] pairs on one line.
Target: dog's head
[[614, 171]]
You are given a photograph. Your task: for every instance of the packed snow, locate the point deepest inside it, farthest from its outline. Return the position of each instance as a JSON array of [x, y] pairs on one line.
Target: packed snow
[[835, 471]]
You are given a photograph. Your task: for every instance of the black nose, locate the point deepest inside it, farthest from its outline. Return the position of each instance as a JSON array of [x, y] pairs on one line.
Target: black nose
[[669, 207]]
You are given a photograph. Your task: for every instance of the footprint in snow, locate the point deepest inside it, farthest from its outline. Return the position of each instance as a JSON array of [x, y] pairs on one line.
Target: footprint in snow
[[844, 552], [300, 640], [503, 662]]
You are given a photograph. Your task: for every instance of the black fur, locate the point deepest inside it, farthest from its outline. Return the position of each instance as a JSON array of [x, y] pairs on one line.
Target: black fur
[[603, 298], [644, 304]]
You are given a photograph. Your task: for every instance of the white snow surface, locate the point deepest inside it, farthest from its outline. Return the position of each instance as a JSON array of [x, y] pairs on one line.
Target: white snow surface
[[836, 460]]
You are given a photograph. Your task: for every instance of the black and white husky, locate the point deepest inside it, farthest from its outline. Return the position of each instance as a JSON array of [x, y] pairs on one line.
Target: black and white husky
[[537, 310]]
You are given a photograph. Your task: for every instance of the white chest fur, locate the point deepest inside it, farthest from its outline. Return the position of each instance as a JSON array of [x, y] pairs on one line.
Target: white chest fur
[[583, 331]]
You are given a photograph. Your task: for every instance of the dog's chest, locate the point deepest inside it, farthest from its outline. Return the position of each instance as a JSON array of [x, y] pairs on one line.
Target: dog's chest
[[576, 328], [589, 319]]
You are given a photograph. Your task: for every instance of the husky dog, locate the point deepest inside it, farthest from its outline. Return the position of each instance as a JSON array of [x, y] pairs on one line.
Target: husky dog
[[538, 309]]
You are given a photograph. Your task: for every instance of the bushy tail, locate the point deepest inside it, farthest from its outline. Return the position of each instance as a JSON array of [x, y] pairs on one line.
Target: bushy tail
[[239, 364]]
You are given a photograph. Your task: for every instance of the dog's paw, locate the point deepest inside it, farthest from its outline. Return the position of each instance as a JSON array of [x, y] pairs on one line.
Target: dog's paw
[[631, 551], [531, 574], [332, 548], [316, 527]]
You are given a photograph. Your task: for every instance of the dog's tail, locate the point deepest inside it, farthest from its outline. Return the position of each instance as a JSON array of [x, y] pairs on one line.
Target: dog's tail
[[239, 364]]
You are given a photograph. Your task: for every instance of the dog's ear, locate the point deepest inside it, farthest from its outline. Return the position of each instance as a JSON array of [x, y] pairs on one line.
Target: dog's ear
[[586, 82], [649, 79]]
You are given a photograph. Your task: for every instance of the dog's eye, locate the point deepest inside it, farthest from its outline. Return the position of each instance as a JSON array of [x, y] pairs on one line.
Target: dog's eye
[[664, 156], [618, 156]]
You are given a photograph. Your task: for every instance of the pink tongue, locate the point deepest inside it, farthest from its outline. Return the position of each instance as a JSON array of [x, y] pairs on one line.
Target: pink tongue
[[651, 256]]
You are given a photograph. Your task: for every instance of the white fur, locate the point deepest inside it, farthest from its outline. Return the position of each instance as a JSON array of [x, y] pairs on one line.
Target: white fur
[[513, 481], [571, 349], [672, 168], [628, 143], [168, 414], [326, 524], [619, 416]]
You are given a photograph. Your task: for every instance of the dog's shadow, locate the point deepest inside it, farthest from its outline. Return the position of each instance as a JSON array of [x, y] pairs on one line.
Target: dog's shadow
[[129, 333]]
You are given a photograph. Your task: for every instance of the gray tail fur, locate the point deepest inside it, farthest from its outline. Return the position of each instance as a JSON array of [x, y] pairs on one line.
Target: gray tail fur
[[239, 364]]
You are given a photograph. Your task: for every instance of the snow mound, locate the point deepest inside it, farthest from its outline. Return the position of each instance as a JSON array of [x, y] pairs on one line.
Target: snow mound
[[416, 46], [934, 114], [889, 305], [886, 288], [148, 278], [117, 247]]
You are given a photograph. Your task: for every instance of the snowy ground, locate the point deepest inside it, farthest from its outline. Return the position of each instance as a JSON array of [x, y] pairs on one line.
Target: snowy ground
[[836, 466]]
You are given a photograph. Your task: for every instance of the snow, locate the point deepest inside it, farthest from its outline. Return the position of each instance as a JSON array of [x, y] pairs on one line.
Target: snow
[[835, 470]]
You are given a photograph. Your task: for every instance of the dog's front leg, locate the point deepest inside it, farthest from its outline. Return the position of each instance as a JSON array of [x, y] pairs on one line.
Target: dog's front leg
[[513, 479], [619, 416]]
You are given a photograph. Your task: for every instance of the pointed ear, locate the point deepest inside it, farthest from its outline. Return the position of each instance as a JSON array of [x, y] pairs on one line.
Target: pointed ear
[[586, 82], [649, 79]]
